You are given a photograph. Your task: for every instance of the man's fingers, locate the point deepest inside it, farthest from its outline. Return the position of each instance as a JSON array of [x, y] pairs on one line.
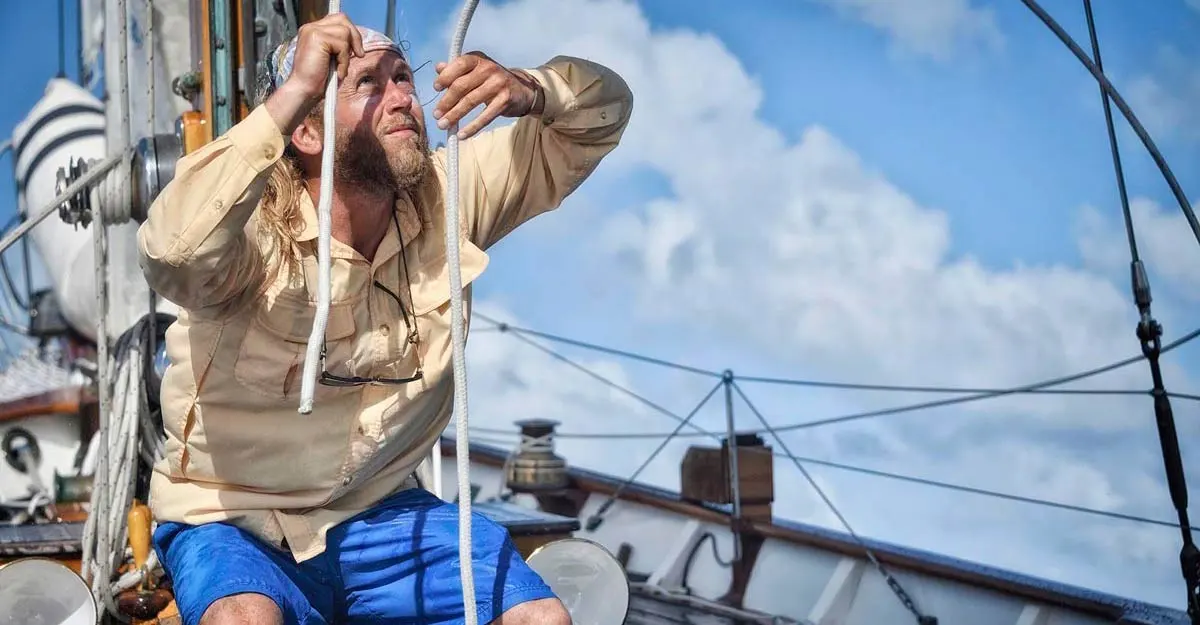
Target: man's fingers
[[351, 34], [485, 93], [343, 64], [356, 38], [458, 90], [490, 113], [453, 70], [460, 110], [340, 39]]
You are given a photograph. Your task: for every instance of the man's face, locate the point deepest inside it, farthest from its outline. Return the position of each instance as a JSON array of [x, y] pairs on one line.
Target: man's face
[[381, 139]]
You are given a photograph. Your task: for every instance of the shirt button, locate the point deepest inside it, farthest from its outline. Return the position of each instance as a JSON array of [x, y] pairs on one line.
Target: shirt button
[[346, 482], [269, 152], [218, 204], [383, 329]]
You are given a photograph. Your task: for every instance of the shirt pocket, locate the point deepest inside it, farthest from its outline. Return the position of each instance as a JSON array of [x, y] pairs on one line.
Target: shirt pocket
[[271, 358], [431, 294]]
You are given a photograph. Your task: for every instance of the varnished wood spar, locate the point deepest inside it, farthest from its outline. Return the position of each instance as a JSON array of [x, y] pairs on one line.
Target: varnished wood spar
[[206, 72], [68, 400], [600, 484]]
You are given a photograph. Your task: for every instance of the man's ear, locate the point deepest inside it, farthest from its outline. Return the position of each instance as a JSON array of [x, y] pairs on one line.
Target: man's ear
[[306, 138]]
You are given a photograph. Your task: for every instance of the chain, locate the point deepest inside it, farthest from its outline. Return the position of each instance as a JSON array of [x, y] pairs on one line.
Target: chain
[[901, 594]]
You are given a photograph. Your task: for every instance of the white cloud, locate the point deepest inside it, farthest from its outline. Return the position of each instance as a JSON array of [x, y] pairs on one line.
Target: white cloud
[[1167, 100], [1165, 241], [801, 252], [935, 28]]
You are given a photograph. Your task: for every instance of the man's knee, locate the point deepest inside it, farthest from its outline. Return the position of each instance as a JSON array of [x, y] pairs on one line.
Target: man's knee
[[243, 609], [540, 612]]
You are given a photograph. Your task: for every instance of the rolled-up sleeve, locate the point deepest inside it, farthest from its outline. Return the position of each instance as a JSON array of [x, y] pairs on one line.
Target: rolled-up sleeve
[[193, 246], [519, 171]]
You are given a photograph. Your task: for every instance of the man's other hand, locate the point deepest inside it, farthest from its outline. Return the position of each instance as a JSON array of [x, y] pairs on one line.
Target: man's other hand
[[331, 39], [473, 79]]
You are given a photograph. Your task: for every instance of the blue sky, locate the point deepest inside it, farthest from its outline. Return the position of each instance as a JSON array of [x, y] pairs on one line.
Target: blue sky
[[955, 247], [1002, 141]]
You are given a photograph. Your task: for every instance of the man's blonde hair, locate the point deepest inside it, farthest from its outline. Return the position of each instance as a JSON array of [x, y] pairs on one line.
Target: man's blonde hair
[[279, 219]]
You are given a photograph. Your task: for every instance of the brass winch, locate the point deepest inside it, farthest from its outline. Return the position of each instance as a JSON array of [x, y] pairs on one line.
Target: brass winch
[[535, 468]]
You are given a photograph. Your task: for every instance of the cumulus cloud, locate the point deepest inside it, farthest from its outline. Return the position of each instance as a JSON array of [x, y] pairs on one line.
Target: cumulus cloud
[[1166, 98], [1166, 244], [801, 253], [935, 28]]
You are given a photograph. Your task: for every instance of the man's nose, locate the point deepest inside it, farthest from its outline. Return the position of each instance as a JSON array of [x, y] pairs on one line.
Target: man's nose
[[398, 97]]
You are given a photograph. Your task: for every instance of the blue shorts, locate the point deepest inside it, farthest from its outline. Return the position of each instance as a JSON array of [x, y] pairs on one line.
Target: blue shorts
[[395, 563]]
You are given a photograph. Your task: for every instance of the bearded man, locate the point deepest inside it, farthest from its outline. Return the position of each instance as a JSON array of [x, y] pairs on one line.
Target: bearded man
[[269, 516]]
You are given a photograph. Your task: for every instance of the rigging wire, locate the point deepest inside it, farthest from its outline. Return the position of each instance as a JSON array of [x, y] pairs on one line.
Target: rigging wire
[[1041, 386], [597, 518], [899, 591], [845, 467], [677, 433], [1111, 92], [5, 148], [607, 382], [520, 332], [1149, 333], [6, 271], [981, 396], [506, 327], [94, 174], [890, 475]]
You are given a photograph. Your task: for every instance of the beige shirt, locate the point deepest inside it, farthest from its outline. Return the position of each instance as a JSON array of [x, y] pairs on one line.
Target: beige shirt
[[237, 449]]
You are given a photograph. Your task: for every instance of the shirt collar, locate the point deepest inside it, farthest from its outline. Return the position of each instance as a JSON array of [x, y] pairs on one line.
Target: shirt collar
[[410, 224]]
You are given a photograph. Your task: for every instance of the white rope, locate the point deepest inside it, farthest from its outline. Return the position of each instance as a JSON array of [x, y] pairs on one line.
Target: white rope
[[536, 444], [316, 339], [457, 330], [113, 196], [458, 341], [123, 438]]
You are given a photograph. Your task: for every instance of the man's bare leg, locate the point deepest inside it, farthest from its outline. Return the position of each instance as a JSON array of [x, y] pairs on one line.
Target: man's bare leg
[[538, 612], [244, 609]]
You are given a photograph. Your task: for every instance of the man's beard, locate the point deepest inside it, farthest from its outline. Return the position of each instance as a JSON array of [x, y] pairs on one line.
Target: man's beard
[[361, 160]]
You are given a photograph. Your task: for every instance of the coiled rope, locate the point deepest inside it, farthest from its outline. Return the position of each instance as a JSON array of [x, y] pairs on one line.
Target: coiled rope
[[127, 433], [457, 326]]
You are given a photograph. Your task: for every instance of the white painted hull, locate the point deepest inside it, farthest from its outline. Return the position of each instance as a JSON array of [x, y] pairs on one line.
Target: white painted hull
[[809, 584]]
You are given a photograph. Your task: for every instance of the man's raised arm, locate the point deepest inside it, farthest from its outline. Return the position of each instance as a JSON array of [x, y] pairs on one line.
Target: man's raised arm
[[193, 246], [512, 174]]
